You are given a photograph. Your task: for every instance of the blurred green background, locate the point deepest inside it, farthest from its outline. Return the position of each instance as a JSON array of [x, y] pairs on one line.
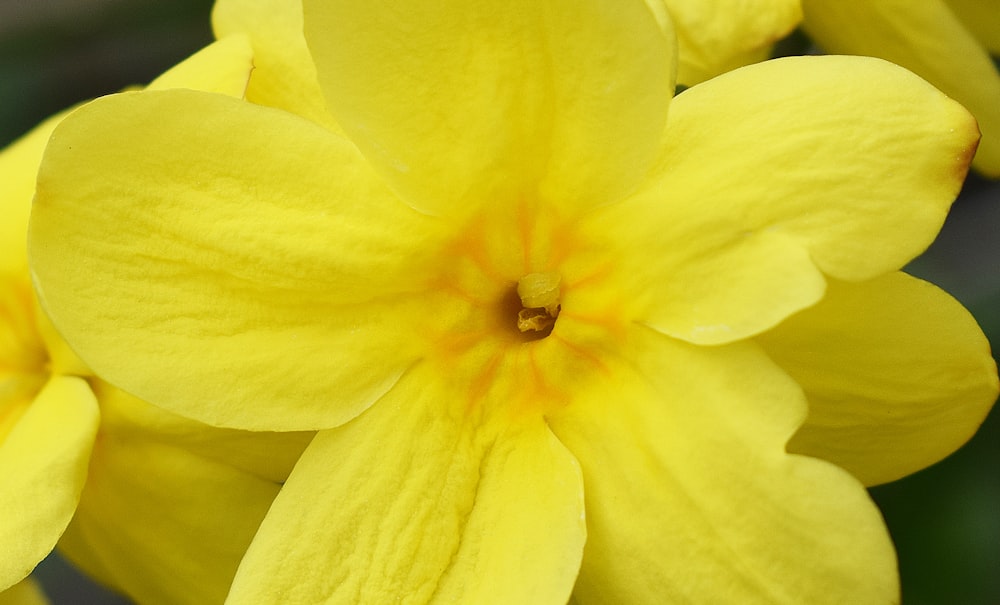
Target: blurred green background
[[945, 520]]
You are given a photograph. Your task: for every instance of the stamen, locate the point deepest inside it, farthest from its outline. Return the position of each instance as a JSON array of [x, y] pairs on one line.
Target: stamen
[[539, 294], [535, 320]]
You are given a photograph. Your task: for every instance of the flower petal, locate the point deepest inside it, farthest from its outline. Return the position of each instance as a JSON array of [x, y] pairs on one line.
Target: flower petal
[[982, 19], [898, 375], [61, 358], [462, 103], [18, 166], [222, 262], [43, 466], [220, 67], [775, 172], [412, 502], [927, 38], [268, 455], [162, 523], [691, 496], [223, 67], [719, 35], [25, 592], [284, 75], [22, 356]]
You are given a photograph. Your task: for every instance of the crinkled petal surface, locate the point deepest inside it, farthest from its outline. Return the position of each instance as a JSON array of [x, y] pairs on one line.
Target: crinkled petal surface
[[692, 498], [760, 192], [898, 375], [284, 75], [411, 503], [43, 462], [179, 294], [927, 38], [460, 102], [157, 520], [25, 592], [716, 36]]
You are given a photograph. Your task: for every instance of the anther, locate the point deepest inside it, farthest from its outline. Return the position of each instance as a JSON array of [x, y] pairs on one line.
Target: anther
[[539, 294]]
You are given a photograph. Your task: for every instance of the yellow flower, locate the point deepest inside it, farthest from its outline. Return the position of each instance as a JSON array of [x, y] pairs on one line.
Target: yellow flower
[[947, 42], [170, 505], [715, 36], [25, 592], [980, 17], [47, 420], [162, 508], [284, 75], [555, 341]]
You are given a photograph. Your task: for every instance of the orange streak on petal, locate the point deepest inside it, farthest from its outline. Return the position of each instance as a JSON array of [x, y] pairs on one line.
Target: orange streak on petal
[[470, 245], [481, 385], [451, 287], [583, 354], [610, 320], [589, 279]]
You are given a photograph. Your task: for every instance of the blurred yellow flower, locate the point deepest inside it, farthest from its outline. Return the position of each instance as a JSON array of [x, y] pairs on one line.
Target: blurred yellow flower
[[48, 419], [715, 36], [556, 341], [982, 19], [25, 592], [170, 505], [284, 75], [947, 42], [167, 506]]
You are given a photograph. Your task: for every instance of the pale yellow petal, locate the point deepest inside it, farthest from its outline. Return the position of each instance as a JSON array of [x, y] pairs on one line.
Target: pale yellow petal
[[759, 191], [284, 75], [460, 104], [25, 592], [23, 359], [61, 358], [691, 497], [223, 67], [715, 36], [43, 466], [417, 501], [927, 38], [264, 454], [220, 67], [982, 18], [233, 254], [22, 354], [18, 167], [158, 521], [898, 375]]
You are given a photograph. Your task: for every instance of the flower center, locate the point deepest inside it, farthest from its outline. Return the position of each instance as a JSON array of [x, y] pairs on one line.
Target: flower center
[[539, 294]]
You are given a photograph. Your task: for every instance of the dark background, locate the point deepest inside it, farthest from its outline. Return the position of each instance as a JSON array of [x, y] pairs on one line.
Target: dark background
[[945, 520]]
